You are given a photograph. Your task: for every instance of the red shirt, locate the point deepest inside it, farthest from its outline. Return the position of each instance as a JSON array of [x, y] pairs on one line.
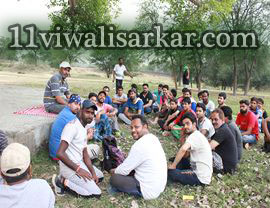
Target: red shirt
[[178, 119], [248, 121]]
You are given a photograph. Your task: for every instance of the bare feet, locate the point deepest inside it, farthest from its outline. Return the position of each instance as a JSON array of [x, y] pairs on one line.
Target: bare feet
[[247, 146]]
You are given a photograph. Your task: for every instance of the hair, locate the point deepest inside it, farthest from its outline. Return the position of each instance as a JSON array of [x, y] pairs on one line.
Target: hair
[[120, 87], [186, 90], [102, 92], [244, 102], [165, 86], [202, 106], [174, 92], [145, 84], [190, 116], [222, 94], [120, 58], [10, 179], [160, 85], [205, 91], [92, 94], [134, 86], [199, 94], [219, 112], [260, 100], [174, 100], [141, 117], [227, 112], [106, 87], [254, 99], [186, 100]]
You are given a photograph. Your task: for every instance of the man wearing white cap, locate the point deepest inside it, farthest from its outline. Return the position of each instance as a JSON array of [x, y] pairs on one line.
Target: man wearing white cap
[[19, 190], [57, 90]]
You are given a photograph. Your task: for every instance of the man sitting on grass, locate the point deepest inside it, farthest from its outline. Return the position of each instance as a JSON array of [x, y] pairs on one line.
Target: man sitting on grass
[[77, 174], [204, 124], [147, 98], [119, 100], [223, 142], [134, 106], [248, 124], [209, 104], [221, 99], [148, 162], [187, 93], [266, 131], [19, 189], [198, 169], [108, 99]]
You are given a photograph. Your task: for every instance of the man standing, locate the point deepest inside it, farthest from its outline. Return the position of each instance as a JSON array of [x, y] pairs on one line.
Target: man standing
[[235, 130], [209, 104], [223, 142], [248, 124], [77, 174], [204, 124], [147, 98], [118, 73], [66, 115], [186, 76], [221, 99], [133, 106], [119, 100], [57, 90], [19, 190], [147, 159], [198, 170]]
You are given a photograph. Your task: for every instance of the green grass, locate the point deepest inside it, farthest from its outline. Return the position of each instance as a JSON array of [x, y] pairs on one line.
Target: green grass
[[249, 187]]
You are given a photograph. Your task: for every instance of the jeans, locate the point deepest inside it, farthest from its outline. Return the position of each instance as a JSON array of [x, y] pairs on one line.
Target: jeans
[[250, 138], [118, 83], [184, 174], [147, 110]]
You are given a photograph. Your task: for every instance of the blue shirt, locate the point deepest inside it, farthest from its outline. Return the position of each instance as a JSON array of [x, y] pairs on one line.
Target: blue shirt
[[60, 122], [108, 100], [135, 107]]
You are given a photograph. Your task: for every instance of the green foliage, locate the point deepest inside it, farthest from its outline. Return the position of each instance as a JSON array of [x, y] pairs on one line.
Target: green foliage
[[5, 52]]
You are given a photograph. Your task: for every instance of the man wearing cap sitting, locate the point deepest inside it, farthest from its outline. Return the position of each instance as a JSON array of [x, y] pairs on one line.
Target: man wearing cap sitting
[[77, 174], [19, 190], [57, 90]]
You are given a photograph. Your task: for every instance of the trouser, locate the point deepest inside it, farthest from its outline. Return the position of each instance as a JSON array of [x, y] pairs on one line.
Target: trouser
[[147, 110], [126, 184], [123, 117], [184, 174], [251, 139], [103, 128], [114, 123], [118, 83], [54, 108], [119, 107], [176, 133], [81, 187], [161, 123]]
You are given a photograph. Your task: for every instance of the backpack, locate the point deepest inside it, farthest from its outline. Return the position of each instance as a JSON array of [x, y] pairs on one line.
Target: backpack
[[113, 156]]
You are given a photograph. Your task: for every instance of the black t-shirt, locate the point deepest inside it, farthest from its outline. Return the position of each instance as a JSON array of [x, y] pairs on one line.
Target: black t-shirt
[[185, 78], [171, 111], [227, 148], [147, 98], [265, 115]]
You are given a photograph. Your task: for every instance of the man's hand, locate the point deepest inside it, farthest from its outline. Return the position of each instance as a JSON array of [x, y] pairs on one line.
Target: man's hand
[[90, 133], [95, 178], [172, 166], [84, 174]]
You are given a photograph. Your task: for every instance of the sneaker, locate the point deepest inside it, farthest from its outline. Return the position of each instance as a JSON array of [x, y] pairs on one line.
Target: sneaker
[[59, 188]]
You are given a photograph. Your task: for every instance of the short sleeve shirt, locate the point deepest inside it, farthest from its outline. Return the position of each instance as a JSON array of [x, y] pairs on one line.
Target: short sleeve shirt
[[207, 125], [106, 107], [146, 98], [108, 100], [119, 71], [123, 96], [134, 107], [227, 148], [248, 121], [56, 86]]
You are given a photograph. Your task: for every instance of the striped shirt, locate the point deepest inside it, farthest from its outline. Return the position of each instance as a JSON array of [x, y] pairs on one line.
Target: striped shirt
[[56, 86]]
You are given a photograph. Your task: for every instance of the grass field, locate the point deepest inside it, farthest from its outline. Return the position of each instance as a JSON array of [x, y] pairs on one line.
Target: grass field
[[249, 187]]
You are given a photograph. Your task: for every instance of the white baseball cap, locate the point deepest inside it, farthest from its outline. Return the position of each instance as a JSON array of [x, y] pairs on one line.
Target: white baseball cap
[[65, 64], [15, 156]]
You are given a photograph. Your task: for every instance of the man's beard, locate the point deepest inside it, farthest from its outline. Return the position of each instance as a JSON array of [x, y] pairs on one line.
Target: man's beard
[[243, 111]]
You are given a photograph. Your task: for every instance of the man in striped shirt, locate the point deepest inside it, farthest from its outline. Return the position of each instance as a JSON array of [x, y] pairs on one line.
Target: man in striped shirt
[[57, 90]]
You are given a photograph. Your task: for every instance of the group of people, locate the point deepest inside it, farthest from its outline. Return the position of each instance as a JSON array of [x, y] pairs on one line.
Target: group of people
[[210, 140]]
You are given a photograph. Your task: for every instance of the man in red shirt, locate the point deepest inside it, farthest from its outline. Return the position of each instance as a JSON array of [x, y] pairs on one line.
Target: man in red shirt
[[248, 124], [175, 126]]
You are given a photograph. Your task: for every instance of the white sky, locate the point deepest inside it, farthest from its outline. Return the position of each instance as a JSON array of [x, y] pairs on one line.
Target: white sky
[[36, 12]]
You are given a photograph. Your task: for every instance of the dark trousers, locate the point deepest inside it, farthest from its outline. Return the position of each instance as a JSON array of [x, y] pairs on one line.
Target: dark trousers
[[118, 83], [183, 174]]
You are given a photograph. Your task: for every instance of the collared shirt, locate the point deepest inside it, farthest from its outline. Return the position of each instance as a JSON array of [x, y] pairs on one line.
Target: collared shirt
[[56, 86]]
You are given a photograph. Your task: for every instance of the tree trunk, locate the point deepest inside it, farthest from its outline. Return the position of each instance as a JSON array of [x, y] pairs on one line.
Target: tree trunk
[[198, 81], [234, 75], [108, 72], [174, 72], [180, 80], [247, 85]]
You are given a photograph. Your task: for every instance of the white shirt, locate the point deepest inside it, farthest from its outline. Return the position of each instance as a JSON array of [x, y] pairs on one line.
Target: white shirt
[[123, 96], [200, 157], [119, 71], [210, 105], [76, 136], [148, 159], [207, 125], [31, 194]]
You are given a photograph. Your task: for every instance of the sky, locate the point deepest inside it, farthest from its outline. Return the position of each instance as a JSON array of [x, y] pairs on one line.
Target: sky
[[36, 12]]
